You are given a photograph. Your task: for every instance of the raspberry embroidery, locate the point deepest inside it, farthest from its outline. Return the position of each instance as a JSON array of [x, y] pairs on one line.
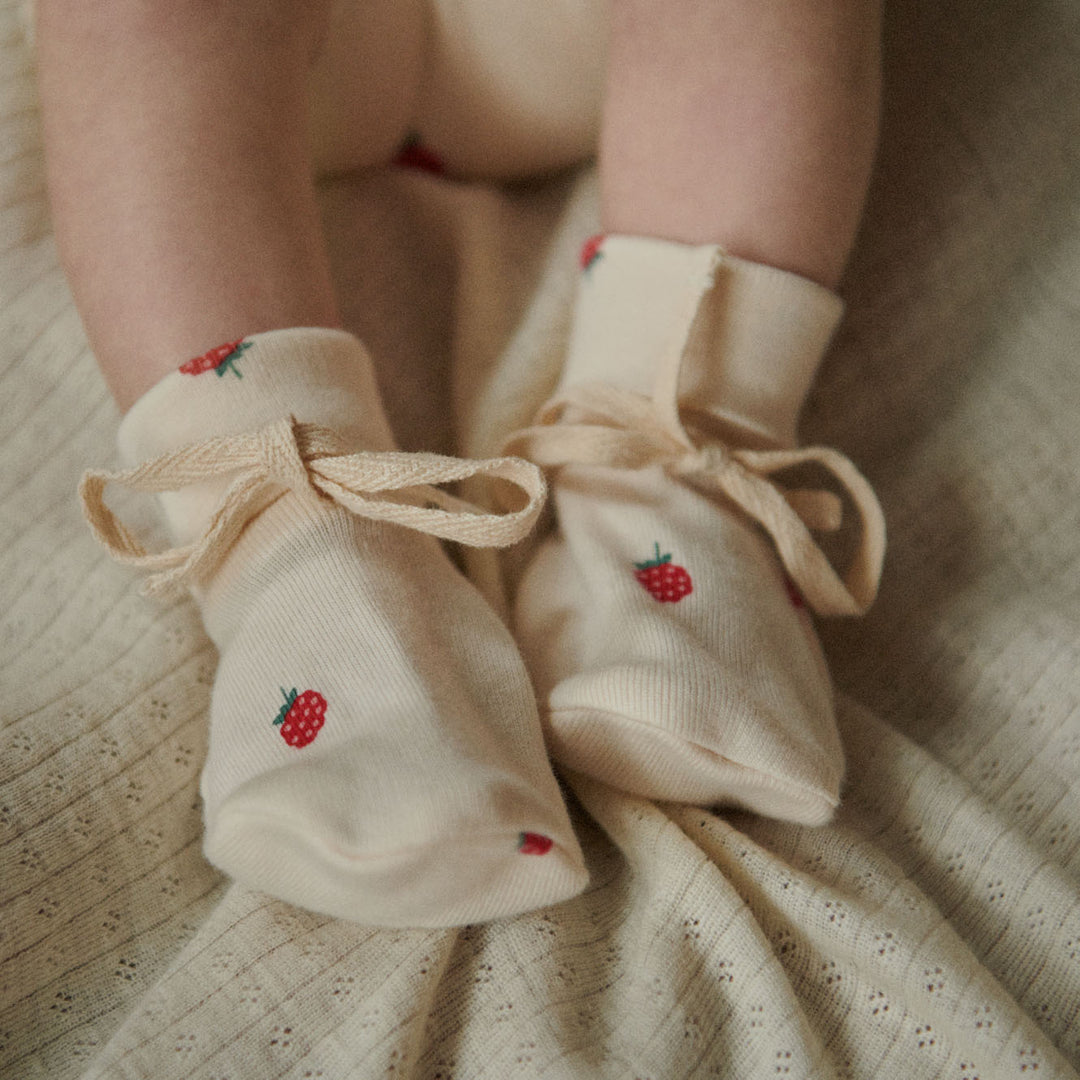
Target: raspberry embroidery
[[663, 579], [301, 717], [531, 843], [590, 251], [219, 359]]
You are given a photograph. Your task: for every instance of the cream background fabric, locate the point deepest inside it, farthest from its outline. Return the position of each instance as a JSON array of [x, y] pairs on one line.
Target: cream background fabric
[[932, 931]]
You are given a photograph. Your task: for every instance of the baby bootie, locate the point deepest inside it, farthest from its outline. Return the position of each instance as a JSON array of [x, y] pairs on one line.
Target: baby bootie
[[665, 621], [375, 751]]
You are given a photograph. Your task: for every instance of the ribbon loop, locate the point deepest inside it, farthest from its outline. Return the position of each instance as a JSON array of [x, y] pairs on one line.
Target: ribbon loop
[[595, 424], [311, 460]]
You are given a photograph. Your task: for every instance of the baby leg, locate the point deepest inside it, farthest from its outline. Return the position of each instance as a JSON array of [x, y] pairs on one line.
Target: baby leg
[[752, 126], [180, 176], [672, 655], [375, 751]]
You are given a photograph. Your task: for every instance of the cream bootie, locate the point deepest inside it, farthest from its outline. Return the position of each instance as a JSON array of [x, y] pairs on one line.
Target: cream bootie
[[375, 751], [665, 622]]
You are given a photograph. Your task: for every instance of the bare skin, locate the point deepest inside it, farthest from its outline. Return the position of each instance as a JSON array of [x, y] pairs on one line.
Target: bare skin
[[181, 174], [748, 124]]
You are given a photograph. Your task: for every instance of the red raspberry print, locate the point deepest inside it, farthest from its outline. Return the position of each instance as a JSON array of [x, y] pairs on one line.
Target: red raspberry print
[[219, 359], [414, 155], [301, 717], [663, 580], [533, 843], [590, 251]]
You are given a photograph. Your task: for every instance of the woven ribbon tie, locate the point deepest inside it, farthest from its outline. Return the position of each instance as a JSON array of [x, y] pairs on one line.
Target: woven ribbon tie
[[597, 424], [314, 462]]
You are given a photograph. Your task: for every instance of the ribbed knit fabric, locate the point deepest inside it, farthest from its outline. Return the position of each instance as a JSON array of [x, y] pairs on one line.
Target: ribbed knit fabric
[[673, 656], [375, 751]]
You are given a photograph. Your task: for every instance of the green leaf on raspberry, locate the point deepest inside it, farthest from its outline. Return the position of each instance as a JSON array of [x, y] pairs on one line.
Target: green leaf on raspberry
[[659, 560], [290, 697], [228, 364]]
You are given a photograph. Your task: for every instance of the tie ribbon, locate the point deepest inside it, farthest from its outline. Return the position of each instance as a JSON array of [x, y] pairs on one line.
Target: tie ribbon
[[314, 462], [597, 424]]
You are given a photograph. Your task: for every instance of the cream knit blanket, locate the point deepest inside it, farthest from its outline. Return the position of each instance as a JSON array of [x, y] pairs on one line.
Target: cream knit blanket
[[932, 931]]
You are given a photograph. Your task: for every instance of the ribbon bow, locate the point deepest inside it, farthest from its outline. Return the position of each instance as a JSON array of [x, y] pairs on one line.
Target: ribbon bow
[[597, 424], [313, 461]]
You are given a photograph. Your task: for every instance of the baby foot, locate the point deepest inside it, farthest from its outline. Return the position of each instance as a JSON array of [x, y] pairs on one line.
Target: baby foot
[[375, 751], [665, 621]]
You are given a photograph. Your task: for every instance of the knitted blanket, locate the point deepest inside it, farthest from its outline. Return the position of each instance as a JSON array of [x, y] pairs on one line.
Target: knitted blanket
[[933, 930]]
